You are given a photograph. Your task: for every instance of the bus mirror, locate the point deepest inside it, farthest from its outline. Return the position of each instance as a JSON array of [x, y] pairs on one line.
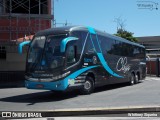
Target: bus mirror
[[65, 41], [20, 46]]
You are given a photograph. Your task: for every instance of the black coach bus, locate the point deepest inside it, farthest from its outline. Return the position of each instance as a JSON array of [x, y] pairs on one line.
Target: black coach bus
[[82, 57]]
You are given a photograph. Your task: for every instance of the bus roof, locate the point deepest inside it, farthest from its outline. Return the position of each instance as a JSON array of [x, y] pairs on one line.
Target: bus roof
[[67, 29]]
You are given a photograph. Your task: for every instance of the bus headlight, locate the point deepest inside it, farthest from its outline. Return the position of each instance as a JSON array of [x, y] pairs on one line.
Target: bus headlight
[[61, 76]]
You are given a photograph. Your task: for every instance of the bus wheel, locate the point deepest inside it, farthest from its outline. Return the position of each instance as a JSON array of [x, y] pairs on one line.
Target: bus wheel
[[132, 79], [136, 79], [88, 86]]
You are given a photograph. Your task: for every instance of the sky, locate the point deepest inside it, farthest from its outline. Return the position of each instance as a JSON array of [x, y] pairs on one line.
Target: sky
[[139, 16]]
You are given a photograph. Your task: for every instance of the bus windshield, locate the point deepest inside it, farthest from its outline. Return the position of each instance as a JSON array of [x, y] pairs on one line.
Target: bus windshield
[[44, 53], [52, 53], [35, 51]]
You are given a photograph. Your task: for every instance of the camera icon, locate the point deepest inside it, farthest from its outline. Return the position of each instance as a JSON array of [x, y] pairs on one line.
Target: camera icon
[[6, 114]]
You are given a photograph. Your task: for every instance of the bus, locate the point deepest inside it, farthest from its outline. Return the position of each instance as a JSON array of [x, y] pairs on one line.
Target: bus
[[81, 57]]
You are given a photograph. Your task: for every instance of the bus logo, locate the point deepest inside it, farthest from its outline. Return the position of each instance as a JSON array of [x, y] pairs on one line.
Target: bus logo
[[6, 114], [122, 65], [94, 60]]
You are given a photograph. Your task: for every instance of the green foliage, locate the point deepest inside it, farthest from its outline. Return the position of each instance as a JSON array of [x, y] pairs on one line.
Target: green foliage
[[126, 34]]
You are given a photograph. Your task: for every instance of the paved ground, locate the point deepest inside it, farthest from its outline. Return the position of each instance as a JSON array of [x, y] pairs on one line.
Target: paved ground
[[146, 93]]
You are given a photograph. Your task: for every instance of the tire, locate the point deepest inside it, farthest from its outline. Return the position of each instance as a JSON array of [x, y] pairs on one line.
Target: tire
[[88, 86], [132, 79], [136, 79]]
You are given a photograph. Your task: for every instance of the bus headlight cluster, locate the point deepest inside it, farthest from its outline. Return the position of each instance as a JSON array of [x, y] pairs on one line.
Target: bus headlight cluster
[[60, 76]]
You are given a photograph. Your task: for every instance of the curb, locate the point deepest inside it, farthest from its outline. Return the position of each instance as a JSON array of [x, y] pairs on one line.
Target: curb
[[103, 111], [144, 111]]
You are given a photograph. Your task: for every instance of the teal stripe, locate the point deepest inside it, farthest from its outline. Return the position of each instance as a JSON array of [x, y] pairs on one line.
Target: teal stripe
[[75, 74], [65, 41], [93, 43], [100, 55], [91, 30], [98, 43], [105, 65], [60, 84]]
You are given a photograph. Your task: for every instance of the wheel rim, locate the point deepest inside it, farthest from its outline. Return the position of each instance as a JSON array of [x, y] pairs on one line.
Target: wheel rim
[[137, 78], [132, 80], [87, 85]]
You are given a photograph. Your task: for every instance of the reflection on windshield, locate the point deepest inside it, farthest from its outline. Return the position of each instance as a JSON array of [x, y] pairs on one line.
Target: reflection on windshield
[[35, 51], [53, 55], [36, 48], [44, 54]]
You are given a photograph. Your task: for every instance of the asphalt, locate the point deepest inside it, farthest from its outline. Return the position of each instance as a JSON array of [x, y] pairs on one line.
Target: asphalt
[[149, 87]]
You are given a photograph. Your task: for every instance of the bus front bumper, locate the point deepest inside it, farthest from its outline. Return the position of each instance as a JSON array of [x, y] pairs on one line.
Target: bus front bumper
[[61, 85]]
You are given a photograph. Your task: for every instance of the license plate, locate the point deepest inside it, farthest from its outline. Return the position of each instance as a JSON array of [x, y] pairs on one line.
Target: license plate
[[39, 86]]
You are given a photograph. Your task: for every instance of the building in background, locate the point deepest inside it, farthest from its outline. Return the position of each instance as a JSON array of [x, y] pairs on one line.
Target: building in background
[[23, 17], [18, 19], [152, 44]]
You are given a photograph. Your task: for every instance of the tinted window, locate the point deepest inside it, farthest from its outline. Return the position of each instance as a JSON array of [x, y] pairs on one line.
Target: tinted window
[[53, 45], [139, 52], [89, 48], [95, 43], [143, 52], [124, 49], [81, 35], [131, 49], [80, 43], [71, 55], [106, 44], [136, 51], [115, 47]]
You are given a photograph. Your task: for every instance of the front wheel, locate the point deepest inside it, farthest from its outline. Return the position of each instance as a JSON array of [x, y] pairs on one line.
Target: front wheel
[[132, 79], [88, 86], [136, 79]]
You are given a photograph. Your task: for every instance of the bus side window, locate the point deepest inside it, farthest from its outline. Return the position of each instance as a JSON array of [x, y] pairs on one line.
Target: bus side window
[[90, 48], [71, 55], [80, 42], [136, 52]]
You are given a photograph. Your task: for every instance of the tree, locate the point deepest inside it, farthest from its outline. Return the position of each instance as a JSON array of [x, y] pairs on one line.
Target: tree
[[121, 32], [120, 23], [126, 34]]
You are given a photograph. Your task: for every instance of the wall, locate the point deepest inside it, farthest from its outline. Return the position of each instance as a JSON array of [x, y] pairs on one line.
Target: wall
[[13, 61], [21, 27], [152, 66]]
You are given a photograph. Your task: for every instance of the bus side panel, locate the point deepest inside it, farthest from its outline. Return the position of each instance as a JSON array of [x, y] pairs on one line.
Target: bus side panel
[[101, 77], [116, 63]]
